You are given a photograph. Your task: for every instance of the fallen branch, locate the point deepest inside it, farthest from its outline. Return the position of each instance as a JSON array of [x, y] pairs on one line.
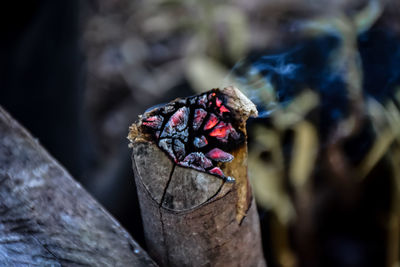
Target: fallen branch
[[46, 218], [190, 164]]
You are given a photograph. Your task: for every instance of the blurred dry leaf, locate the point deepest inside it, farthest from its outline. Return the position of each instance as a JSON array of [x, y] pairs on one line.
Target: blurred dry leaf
[[236, 32], [286, 117], [205, 73], [266, 173], [305, 150]]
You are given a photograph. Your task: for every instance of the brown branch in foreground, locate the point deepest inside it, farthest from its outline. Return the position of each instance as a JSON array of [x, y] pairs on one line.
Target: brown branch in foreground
[[193, 218], [46, 218]]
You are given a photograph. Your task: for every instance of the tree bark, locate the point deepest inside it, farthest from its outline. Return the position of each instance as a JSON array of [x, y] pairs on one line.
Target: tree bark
[[193, 218], [46, 218]]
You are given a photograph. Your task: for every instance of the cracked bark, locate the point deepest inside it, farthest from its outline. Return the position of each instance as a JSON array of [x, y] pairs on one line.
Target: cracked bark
[[192, 218], [46, 218]]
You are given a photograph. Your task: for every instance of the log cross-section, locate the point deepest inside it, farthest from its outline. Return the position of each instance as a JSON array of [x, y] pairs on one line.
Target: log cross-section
[[192, 217]]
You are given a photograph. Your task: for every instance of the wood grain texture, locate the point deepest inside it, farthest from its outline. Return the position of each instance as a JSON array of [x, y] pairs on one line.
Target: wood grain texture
[[46, 218], [190, 217]]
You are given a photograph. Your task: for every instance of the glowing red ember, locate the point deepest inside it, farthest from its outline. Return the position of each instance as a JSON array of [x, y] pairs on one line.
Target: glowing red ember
[[199, 115], [221, 131], [197, 160], [218, 102], [219, 155], [176, 124], [187, 128], [217, 171], [154, 122], [223, 109], [179, 118], [212, 121]]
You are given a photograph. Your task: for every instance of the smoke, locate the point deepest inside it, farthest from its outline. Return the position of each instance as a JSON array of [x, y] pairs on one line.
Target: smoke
[[260, 76], [272, 79]]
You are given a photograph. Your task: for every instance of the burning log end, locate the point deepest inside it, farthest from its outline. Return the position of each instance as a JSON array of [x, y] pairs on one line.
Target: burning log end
[[185, 155]]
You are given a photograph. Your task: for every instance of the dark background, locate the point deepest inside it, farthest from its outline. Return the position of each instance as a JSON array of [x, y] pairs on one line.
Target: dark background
[[77, 73]]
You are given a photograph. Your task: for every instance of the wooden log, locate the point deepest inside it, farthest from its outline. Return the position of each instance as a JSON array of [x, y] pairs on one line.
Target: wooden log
[[191, 217], [48, 219]]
